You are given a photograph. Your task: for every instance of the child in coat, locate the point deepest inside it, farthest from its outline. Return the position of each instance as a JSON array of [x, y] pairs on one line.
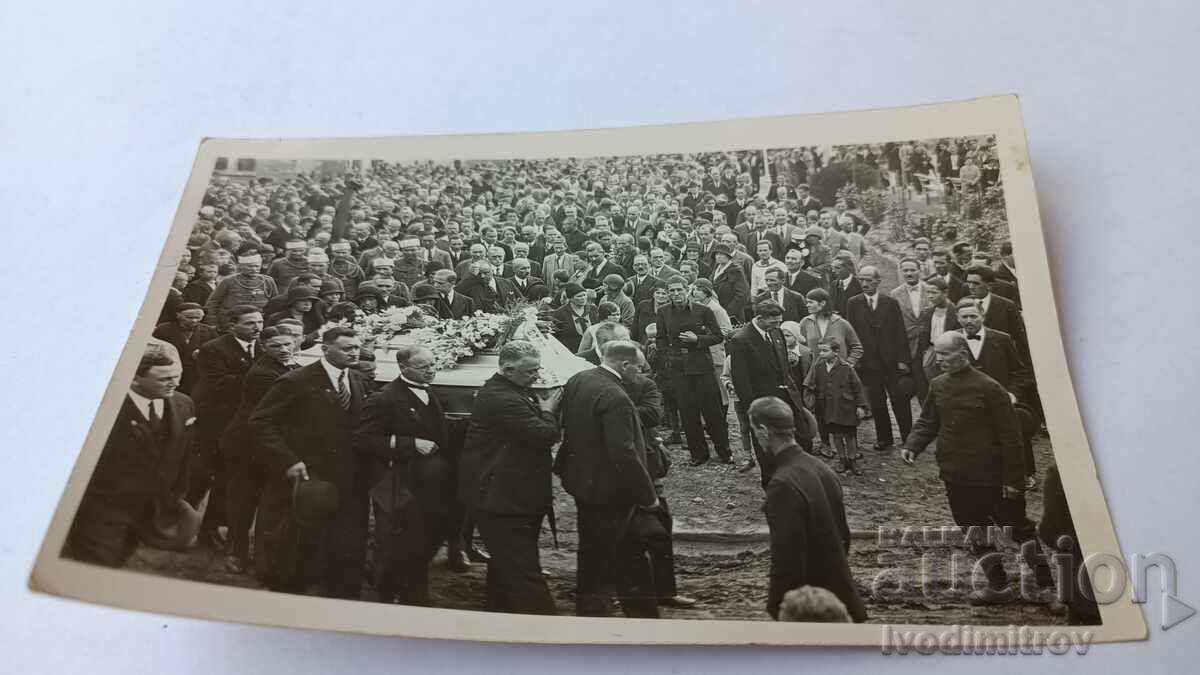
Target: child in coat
[[836, 395]]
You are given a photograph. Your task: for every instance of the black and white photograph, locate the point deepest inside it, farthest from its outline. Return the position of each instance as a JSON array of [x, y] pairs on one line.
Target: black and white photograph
[[795, 379]]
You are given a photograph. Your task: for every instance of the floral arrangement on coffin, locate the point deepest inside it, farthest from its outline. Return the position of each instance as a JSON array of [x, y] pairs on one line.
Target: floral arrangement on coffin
[[481, 331]]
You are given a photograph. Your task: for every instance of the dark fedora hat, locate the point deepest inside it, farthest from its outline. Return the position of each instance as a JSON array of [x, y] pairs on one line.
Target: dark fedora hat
[[313, 501]]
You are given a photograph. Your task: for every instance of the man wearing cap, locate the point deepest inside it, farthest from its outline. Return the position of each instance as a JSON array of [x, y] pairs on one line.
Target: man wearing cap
[[343, 268], [733, 291], [135, 492], [614, 292], [246, 287], [740, 258], [221, 363], [187, 332], [293, 264], [315, 505], [410, 266]]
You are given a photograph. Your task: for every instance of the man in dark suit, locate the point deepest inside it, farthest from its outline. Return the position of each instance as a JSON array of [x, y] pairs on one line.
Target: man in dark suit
[[758, 366], [994, 353], [877, 320], [730, 283], [304, 429], [487, 291], [599, 266], [403, 434], [955, 289], [454, 305], [505, 478], [939, 317], [684, 332], [142, 471], [998, 313], [793, 304], [799, 279], [221, 364], [844, 284], [602, 464], [761, 232], [530, 287], [186, 332], [810, 539], [804, 201], [237, 445], [640, 285]]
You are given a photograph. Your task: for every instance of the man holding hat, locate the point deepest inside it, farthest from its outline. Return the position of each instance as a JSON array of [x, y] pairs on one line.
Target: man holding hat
[[315, 506]]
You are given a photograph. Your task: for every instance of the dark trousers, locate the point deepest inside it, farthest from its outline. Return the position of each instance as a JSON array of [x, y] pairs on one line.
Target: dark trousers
[[698, 397], [106, 532], [246, 483], [881, 386], [514, 575], [405, 542], [331, 554], [661, 549], [610, 556], [208, 474], [1027, 425], [978, 507]]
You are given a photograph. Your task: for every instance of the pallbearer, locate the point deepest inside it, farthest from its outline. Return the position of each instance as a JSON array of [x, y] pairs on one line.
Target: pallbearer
[[505, 478]]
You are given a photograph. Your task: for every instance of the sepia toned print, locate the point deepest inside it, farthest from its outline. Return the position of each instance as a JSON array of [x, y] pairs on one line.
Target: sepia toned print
[[790, 370]]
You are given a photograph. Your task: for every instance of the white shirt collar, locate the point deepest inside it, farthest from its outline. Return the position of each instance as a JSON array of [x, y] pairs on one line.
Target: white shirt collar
[[245, 344], [613, 371], [758, 328], [332, 372], [142, 404]]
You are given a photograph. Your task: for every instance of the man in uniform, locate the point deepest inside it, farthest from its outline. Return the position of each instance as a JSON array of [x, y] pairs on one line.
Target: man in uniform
[[981, 462]]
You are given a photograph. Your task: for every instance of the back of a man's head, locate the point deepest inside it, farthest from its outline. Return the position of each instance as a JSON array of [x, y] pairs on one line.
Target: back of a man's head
[[813, 604], [773, 414], [609, 331], [619, 352]]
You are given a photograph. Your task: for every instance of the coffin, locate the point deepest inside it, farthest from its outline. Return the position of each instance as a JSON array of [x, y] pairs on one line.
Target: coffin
[[456, 387]]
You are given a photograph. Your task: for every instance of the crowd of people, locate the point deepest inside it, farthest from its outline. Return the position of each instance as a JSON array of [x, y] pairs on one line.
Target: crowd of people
[[691, 284]]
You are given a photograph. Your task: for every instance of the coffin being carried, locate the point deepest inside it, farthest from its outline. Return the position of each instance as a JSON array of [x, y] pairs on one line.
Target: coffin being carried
[[466, 350]]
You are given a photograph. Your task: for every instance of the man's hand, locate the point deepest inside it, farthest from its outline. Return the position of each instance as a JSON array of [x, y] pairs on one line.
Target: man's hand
[[1012, 397], [861, 412], [550, 400], [688, 337], [1009, 492], [902, 367], [297, 470], [425, 446], [908, 455]]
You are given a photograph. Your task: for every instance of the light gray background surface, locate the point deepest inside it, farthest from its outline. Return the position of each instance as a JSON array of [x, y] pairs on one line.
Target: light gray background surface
[[103, 108]]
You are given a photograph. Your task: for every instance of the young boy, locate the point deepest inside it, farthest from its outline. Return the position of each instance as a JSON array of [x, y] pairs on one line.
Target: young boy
[[836, 395]]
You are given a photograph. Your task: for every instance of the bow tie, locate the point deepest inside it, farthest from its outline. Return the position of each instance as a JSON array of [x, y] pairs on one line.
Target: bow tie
[[975, 337]]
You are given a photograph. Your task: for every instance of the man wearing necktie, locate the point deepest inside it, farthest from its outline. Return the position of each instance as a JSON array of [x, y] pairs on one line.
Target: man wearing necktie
[[403, 433], [142, 469], [220, 365], [304, 430], [877, 320]]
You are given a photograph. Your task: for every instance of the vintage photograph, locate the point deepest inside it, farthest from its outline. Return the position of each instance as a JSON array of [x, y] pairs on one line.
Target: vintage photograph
[[777, 381]]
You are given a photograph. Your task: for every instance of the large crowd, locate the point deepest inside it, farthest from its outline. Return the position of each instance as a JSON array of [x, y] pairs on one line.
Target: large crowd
[[695, 284]]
